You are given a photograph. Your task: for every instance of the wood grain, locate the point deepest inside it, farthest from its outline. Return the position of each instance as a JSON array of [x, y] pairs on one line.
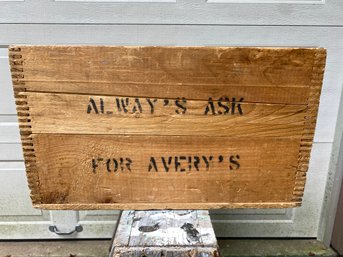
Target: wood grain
[[257, 74], [266, 171], [169, 65], [251, 93], [88, 144], [67, 113], [164, 206]]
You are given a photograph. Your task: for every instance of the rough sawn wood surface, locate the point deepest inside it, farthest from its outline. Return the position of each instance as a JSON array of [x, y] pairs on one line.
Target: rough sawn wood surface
[[166, 127]]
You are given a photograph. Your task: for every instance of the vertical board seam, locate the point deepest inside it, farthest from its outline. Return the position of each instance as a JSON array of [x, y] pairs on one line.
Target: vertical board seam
[[310, 124], [24, 119]]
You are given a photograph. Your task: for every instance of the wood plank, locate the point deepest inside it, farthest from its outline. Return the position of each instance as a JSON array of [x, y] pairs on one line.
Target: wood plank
[[82, 114], [76, 169], [163, 206], [257, 74], [251, 93], [170, 65], [122, 236], [166, 233], [167, 252], [165, 224], [205, 227]]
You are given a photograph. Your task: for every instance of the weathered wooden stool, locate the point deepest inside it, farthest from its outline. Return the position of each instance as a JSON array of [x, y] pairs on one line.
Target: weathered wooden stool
[[164, 234]]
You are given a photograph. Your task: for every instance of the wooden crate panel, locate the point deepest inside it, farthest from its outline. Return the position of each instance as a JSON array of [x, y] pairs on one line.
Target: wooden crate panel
[[166, 127], [167, 171], [83, 114]]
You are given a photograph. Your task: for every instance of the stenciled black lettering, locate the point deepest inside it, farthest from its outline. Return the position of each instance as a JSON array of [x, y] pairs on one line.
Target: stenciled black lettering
[[196, 162], [118, 104], [128, 163], [220, 158], [190, 159], [182, 158], [177, 163], [152, 164], [136, 106], [122, 164], [223, 102], [94, 165], [210, 107], [239, 107], [92, 105], [207, 161], [181, 104], [115, 167], [113, 164], [165, 102], [108, 163], [234, 161], [166, 164], [233, 103], [125, 103], [102, 107], [151, 104]]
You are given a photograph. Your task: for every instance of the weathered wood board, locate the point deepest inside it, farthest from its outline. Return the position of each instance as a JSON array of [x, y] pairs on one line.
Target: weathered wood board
[[166, 127], [165, 234]]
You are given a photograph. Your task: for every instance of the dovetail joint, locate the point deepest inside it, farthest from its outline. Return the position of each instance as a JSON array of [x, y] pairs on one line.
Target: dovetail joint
[[24, 119], [310, 123]]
